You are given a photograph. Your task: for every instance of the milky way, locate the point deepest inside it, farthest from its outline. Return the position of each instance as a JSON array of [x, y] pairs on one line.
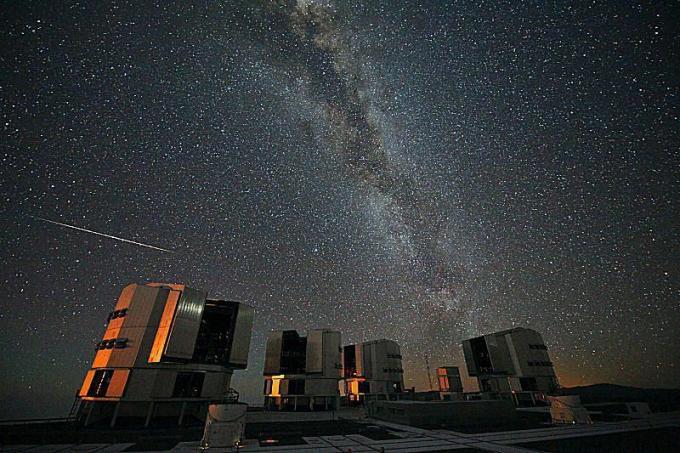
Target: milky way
[[420, 172], [313, 46]]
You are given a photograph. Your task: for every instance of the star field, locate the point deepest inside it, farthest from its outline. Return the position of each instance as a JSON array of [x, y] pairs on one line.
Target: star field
[[423, 172]]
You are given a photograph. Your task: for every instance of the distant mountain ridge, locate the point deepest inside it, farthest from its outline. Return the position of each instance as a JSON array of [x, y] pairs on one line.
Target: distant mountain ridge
[[659, 400]]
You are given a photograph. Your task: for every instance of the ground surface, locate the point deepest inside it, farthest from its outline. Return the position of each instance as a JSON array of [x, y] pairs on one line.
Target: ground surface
[[649, 441], [658, 433]]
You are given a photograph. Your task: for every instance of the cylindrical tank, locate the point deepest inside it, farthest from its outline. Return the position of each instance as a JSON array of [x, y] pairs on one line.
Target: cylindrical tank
[[224, 425]]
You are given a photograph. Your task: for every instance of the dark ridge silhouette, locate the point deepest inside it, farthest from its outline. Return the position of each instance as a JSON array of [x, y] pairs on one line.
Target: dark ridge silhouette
[[659, 400]]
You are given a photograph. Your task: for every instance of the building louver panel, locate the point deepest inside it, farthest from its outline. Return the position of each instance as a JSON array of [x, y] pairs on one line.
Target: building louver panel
[[314, 359], [241, 341], [185, 325]]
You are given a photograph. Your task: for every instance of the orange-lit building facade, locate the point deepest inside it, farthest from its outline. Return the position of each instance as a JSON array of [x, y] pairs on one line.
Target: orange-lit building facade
[[167, 351], [372, 370], [449, 383]]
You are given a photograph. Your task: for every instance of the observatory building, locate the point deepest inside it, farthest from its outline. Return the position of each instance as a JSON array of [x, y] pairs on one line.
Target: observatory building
[[449, 383], [511, 361], [372, 370], [302, 373], [168, 351]]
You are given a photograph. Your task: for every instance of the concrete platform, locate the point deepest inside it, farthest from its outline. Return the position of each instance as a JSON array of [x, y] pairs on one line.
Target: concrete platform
[[656, 431]]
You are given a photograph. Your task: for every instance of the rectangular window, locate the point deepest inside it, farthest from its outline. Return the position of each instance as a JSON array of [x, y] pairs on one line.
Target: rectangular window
[[443, 382], [216, 333], [117, 343], [350, 360], [188, 385], [116, 314], [296, 387], [293, 353], [364, 387], [100, 383], [480, 355], [528, 384]]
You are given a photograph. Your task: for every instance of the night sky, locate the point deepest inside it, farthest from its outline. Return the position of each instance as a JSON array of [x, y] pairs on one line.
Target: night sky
[[423, 172]]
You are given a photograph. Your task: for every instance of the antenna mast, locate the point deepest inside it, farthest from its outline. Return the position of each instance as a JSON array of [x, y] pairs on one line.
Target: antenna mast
[[429, 377]]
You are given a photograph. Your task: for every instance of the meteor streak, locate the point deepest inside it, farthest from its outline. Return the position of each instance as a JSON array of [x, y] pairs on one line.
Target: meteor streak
[[103, 234]]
